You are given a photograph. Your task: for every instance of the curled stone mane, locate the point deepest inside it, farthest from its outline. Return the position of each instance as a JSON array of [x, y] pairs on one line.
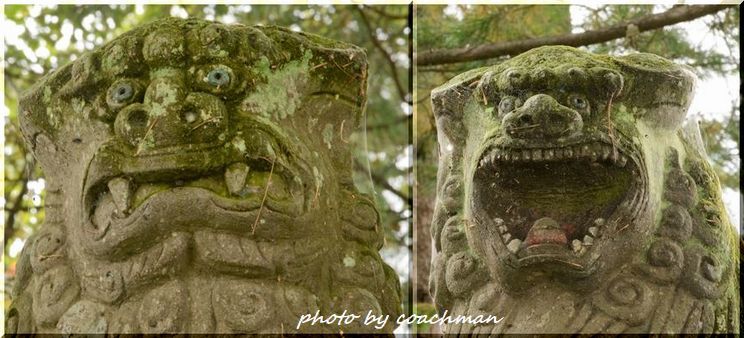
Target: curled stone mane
[[574, 196], [188, 190]]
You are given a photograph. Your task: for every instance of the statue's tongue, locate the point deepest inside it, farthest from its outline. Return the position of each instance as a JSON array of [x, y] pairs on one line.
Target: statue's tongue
[[546, 231]]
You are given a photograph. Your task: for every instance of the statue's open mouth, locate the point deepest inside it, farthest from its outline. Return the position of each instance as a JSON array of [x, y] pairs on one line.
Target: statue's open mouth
[[553, 204], [132, 201], [239, 186]]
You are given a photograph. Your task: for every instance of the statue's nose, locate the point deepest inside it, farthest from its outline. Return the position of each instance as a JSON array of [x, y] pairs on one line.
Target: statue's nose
[[165, 94], [541, 116], [171, 115]]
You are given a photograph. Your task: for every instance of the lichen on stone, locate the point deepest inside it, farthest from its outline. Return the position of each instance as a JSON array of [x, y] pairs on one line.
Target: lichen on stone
[[277, 96]]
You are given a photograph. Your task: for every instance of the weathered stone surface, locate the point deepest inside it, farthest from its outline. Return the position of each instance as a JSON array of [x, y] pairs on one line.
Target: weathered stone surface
[[573, 198], [199, 180]]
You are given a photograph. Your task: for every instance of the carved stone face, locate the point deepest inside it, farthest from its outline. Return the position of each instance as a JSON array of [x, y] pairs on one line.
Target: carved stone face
[[552, 174], [558, 170], [551, 178], [191, 162]]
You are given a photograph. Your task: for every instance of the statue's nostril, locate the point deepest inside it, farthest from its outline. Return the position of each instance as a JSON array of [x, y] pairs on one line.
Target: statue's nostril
[[525, 120], [137, 119]]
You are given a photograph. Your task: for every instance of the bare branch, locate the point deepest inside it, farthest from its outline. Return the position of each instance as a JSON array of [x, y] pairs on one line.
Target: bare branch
[[385, 14], [12, 212], [400, 119], [383, 182], [673, 16], [393, 67]]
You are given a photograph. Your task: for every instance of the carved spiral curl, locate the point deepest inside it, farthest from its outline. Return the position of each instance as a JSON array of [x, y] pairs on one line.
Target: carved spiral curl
[[363, 223], [464, 274], [108, 286], [665, 261], [627, 298], [164, 309], [54, 293], [359, 266], [245, 307], [704, 274], [453, 240], [665, 253], [680, 188], [676, 223], [452, 194], [625, 292], [47, 250]]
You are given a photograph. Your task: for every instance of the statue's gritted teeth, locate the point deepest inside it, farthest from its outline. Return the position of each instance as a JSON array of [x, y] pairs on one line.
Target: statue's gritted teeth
[[125, 188]]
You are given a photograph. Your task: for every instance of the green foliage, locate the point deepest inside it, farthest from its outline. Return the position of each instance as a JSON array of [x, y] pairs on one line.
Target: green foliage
[[669, 42], [429, 311], [487, 24], [721, 140]]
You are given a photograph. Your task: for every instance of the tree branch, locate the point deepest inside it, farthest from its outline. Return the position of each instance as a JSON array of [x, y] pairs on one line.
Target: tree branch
[[13, 211], [673, 16], [400, 119], [393, 67], [383, 182], [385, 14]]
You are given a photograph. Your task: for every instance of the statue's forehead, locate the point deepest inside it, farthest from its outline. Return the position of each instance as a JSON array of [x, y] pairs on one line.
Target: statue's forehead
[[561, 63], [183, 42], [556, 57], [252, 52]]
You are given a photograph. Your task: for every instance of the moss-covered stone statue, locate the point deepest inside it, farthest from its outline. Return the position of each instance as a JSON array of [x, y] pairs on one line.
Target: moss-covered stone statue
[[572, 198], [199, 180]]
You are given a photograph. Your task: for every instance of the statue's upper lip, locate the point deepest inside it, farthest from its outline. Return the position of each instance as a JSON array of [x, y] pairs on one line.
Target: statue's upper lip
[[591, 150]]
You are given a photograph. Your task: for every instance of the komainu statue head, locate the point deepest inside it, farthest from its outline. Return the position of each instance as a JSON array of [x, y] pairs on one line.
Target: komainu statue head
[[572, 197], [199, 180]]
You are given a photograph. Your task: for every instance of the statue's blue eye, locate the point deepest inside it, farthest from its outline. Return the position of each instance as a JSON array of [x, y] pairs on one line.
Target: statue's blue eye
[[578, 102], [218, 78], [122, 92]]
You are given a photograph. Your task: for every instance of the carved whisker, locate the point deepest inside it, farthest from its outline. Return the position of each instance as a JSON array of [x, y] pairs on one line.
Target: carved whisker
[[263, 198]]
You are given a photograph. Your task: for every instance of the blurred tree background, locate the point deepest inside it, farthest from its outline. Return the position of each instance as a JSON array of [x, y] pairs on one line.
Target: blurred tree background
[[39, 39], [703, 37]]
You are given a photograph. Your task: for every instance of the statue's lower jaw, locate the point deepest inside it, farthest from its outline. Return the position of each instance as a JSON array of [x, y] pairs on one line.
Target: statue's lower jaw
[[190, 209]]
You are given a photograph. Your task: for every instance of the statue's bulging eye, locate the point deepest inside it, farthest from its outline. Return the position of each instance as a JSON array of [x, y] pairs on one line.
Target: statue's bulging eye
[[218, 77], [506, 105], [122, 92], [578, 102]]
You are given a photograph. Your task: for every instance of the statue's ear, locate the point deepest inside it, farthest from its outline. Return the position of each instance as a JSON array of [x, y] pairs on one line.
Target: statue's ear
[[40, 116], [333, 88], [448, 102], [661, 89], [343, 77], [339, 68]]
